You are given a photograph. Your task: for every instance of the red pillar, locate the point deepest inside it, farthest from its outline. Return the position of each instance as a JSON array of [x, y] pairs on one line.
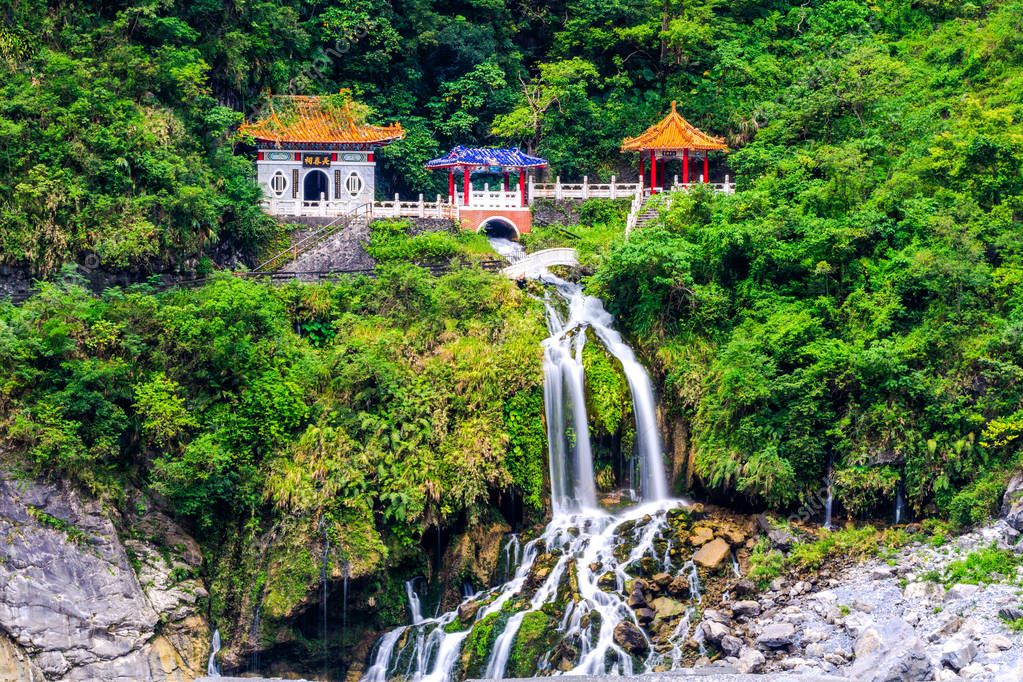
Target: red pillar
[[653, 171], [706, 166], [451, 185], [685, 166], [504, 187], [522, 185], [466, 187]]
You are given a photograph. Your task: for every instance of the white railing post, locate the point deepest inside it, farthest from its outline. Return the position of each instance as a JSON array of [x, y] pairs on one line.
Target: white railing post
[[614, 188], [532, 189], [586, 187], [422, 208], [701, 178], [728, 189], [674, 183], [557, 187]]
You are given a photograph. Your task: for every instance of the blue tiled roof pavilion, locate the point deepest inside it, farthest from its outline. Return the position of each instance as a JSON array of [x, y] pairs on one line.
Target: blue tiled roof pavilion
[[486, 157]]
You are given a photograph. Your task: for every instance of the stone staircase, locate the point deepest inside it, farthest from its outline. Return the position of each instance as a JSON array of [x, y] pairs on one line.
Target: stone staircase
[[344, 250], [338, 245], [649, 212]]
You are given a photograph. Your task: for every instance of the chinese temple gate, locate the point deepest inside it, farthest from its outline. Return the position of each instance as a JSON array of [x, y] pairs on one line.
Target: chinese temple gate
[[668, 140], [314, 158]]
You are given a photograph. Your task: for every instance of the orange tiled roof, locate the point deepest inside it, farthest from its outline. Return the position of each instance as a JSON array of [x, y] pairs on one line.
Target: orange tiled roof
[[674, 132], [305, 118]]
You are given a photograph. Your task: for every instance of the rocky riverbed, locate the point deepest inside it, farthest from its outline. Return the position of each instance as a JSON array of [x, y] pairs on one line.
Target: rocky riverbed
[[879, 620]]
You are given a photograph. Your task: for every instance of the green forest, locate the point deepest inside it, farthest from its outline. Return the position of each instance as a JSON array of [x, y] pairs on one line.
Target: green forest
[[856, 304]]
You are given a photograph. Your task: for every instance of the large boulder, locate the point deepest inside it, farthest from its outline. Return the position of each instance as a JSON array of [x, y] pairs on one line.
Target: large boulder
[[631, 638], [890, 651], [750, 661], [747, 608], [72, 602], [713, 554], [958, 652], [777, 635], [1012, 501], [924, 591]]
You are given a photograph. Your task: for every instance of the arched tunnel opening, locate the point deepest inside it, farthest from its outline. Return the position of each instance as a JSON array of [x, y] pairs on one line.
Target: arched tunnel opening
[[500, 228]]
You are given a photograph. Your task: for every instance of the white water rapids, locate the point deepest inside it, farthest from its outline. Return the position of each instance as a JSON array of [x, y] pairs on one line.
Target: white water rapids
[[594, 551]]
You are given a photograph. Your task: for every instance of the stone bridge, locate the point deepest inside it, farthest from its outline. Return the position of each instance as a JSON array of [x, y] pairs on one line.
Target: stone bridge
[[535, 262]]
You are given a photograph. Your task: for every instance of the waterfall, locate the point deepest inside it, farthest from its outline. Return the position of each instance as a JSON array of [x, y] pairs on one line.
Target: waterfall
[[254, 636], [582, 541], [415, 607], [385, 647], [323, 584], [829, 499], [900, 503], [212, 669], [564, 381], [513, 251]]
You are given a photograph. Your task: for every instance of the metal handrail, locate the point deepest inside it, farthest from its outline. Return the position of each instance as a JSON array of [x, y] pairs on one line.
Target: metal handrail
[[278, 260]]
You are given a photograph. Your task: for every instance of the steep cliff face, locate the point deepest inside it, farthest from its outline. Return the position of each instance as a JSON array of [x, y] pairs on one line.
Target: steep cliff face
[[78, 603]]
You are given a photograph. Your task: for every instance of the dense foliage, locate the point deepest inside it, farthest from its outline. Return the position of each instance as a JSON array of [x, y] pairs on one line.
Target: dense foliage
[[860, 300], [375, 405]]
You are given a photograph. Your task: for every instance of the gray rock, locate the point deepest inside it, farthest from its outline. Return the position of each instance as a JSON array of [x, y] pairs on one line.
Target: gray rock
[[1012, 502], [631, 638], [713, 631], [731, 645], [70, 598], [961, 591], [957, 653], [902, 660], [996, 643], [777, 635], [924, 591], [747, 607], [815, 650], [948, 624], [1010, 612], [750, 661], [881, 572], [867, 643], [781, 539], [717, 616]]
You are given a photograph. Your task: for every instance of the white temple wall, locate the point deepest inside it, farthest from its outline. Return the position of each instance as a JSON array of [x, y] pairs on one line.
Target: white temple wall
[[350, 179]]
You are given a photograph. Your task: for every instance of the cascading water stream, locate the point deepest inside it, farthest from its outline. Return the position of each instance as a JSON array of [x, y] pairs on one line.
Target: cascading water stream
[[830, 495], [596, 548], [212, 669], [900, 504]]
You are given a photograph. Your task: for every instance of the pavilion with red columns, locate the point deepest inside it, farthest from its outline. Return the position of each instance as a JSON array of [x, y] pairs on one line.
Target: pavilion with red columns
[[664, 141], [478, 207]]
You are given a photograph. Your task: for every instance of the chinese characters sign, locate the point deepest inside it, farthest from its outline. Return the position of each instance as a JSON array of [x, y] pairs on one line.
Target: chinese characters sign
[[315, 160]]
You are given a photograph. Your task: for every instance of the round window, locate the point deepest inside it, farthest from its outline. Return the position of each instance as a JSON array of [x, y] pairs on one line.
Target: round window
[[278, 183], [354, 184]]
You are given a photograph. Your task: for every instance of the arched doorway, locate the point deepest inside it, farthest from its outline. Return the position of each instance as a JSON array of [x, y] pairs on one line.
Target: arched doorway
[[499, 228], [314, 187]]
